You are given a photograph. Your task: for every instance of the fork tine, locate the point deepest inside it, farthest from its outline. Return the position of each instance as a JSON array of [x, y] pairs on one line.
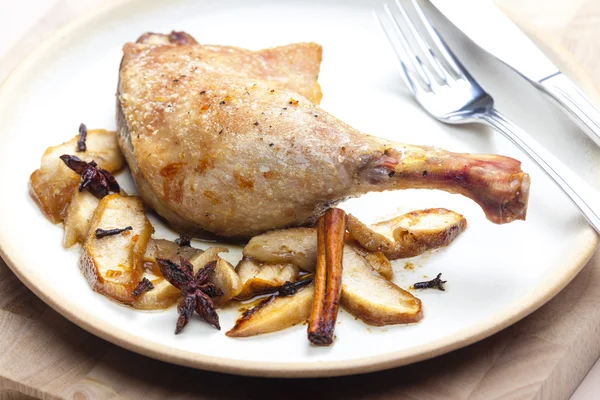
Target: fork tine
[[410, 55], [404, 72], [443, 49], [422, 45]]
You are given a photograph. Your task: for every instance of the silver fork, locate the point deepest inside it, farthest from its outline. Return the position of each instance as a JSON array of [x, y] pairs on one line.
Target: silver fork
[[447, 91]]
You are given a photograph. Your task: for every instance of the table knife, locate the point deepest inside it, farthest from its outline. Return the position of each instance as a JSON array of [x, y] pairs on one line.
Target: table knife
[[488, 27]]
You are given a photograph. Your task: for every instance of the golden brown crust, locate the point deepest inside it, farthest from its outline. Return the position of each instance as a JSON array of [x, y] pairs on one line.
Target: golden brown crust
[[225, 140], [407, 246], [78, 217], [52, 185], [434, 235], [274, 314], [372, 298], [114, 265], [365, 312], [377, 260], [410, 234], [294, 245], [259, 278]]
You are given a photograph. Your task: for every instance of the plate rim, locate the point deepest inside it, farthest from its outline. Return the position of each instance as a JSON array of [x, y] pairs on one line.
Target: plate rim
[[577, 260]]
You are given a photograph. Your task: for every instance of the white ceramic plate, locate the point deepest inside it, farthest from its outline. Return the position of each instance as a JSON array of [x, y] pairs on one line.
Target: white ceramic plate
[[496, 274]]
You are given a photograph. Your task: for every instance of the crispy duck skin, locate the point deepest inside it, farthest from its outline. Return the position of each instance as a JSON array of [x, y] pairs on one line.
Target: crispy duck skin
[[231, 142]]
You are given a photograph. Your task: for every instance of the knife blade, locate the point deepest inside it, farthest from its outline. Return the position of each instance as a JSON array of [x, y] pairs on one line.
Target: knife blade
[[490, 29]]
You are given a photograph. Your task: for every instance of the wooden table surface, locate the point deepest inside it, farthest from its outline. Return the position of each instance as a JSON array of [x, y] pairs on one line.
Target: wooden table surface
[[544, 356]]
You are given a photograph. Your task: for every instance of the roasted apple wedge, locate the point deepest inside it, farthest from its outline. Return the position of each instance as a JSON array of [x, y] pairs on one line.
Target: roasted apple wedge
[[372, 298], [365, 294], [162, 248], [295, 245], [376, 259], [114, 263], [409, 234], [163, 295], [53, 183], [298, 246], [78, 217], [224, 277], [259, 278], [275, 313]]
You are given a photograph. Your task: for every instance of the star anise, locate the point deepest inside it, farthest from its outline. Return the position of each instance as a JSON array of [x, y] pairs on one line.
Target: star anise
[[98, 181], [197, 291]]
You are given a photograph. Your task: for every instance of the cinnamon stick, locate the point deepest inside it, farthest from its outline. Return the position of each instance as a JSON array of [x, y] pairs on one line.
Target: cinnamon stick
[[331, 229]]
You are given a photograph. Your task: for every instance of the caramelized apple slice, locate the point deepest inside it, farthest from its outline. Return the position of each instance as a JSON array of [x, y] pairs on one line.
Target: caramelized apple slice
[[78, 217], [164, 294], [275, 313], [298, 246], [365, 294], [224, 277], [376, 259], [162, 248], [53, 184], [259, 278], [372, 298], [295, 245], [410, 234], [113, 265]]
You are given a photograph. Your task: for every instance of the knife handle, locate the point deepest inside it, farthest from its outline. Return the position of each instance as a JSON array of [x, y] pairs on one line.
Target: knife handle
[[578, 106]]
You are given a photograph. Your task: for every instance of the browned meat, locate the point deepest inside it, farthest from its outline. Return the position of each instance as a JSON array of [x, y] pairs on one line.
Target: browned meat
[[230, 141]]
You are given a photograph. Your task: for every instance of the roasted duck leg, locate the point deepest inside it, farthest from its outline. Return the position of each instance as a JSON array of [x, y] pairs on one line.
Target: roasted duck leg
[[230, 142]]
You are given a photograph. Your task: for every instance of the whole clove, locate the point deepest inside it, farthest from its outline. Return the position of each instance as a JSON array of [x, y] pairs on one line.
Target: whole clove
[[142, 287], [100, 233], [435, 283], [184, 240], [291, 288], [81, 146]]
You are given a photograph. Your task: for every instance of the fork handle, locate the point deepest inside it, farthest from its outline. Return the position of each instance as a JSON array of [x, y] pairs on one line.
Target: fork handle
[[585, 197]]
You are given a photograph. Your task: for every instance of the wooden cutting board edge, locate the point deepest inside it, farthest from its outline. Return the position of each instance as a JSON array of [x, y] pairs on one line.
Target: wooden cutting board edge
[[545, 356]]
